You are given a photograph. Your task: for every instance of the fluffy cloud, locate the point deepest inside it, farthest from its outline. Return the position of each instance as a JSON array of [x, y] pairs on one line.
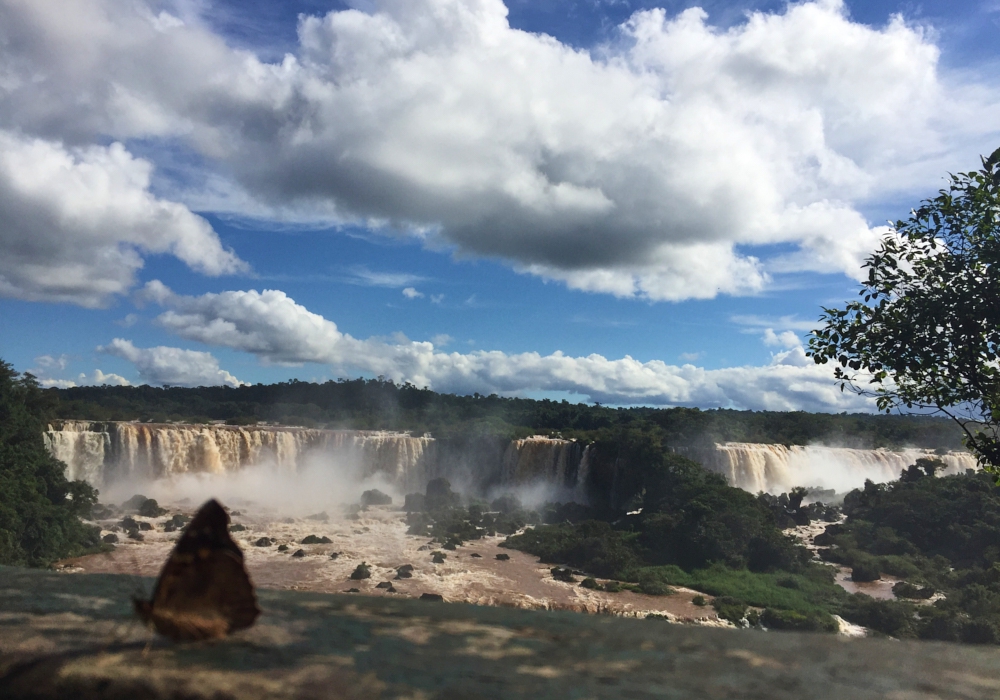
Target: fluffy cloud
[[173, 366], [95, 378], [76, 223], [785, 339], [99, 378], [274, 328], [661, 166], [412, 293]]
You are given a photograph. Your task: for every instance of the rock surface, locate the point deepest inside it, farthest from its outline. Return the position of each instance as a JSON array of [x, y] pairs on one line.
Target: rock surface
[[74, 636]]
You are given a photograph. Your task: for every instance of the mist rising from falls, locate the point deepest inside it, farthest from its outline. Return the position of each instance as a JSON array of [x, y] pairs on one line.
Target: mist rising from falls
[[536, 468], [777, 468], [106, 453]]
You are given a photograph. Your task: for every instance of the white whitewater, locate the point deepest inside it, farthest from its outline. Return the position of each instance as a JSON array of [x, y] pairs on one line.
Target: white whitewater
[[778, 468], [103, 453]]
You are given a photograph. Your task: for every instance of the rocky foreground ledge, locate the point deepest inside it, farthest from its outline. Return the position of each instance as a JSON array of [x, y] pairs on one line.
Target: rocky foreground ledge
[[64, 636]]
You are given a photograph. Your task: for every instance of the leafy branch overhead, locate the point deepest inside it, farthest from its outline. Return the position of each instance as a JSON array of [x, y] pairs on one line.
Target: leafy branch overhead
[[925, 333]]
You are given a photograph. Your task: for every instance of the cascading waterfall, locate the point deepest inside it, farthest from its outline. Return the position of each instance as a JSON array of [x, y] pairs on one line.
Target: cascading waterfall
[[83, 450], [542, 459], [777, 468], [103, 453]]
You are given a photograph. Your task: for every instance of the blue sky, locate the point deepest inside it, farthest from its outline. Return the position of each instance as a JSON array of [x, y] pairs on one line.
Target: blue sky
[[648, 205]]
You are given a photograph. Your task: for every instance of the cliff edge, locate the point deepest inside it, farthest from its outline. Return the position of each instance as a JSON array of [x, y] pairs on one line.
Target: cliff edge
[[73, 636]]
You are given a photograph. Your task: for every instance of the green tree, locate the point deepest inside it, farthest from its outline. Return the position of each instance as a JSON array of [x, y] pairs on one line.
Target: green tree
[[39, 508], [926, 332]]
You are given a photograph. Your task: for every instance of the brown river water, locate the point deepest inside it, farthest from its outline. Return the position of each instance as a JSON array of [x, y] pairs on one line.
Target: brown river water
[[378, 537]]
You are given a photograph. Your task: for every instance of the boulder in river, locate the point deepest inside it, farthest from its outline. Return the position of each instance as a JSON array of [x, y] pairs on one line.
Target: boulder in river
[[299, 553], [313, 539], [374, 497], [436, 597], [361, 572], [503, 557], [151, 509], [561, 573]]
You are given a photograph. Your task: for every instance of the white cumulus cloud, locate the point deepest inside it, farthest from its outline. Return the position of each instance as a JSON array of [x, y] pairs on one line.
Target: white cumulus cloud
[[172, 366], [412, 293], [95, 378], [276, 329], [76, 223], [785, 339], [662, 165]]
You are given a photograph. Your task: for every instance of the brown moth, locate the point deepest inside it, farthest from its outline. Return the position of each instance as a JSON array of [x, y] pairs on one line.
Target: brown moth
[[203, 591]]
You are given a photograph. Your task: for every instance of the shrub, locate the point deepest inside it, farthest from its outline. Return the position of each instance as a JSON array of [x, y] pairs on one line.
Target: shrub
[[590, 583], [729, 608], [893, 618], [699, 600], [651, 584], [979, 632], [792, 620], [865, 571], [902, 589]]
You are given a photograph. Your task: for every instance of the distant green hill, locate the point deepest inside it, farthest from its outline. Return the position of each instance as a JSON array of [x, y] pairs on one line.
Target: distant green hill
[[379, 404]]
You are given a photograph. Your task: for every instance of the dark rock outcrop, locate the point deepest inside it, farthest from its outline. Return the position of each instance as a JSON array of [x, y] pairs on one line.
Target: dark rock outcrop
[[374, 497], [313, 539]]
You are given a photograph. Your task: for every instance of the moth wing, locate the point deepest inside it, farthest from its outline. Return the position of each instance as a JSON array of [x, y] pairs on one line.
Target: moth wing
[[204, 590]]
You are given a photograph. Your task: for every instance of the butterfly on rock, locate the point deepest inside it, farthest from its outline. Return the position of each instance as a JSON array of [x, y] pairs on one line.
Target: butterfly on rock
[[204, 591]]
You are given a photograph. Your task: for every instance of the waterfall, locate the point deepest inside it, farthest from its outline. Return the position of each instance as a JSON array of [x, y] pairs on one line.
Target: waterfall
[[84, 451], [778, 468], [103, 453], [542, 459]]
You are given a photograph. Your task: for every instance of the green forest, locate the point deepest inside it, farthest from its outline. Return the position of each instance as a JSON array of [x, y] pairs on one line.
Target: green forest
[[380, 404], [937, 537], [40, 510]]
